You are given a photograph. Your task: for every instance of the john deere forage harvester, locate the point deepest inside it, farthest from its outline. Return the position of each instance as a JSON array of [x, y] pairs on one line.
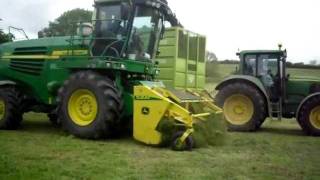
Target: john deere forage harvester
[[96, 81]]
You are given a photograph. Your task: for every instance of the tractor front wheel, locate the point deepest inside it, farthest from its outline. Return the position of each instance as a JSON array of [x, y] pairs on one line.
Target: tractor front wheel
[[90, 105], [309, 116], [10, 112], [243, 105]]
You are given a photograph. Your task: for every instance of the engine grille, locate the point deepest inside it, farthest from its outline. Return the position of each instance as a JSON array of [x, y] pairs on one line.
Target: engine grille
[[31, 51], [28, 66]]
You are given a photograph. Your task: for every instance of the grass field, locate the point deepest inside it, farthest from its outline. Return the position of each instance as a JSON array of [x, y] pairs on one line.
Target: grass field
[[40, 151]]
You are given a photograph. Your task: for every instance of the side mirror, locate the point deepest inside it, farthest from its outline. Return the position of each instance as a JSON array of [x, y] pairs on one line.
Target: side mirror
[[84, 29]]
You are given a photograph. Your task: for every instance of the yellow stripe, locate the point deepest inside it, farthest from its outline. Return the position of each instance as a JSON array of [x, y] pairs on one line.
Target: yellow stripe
[[70, 52], [55, 55], [31, 57]]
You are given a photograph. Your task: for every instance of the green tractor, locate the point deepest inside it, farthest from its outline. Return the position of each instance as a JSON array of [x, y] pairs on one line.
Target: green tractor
[[94, 83], [262, 88]]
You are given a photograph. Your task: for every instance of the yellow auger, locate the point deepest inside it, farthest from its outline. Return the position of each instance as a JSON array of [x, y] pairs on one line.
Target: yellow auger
[[155, 105]]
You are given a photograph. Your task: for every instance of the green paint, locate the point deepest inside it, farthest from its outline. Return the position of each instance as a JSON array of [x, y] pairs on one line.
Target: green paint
[[182, 59]]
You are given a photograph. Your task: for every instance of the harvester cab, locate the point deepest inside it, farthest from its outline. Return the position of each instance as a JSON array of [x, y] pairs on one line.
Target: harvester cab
[[127, 29], [263, 87], [94, 82]]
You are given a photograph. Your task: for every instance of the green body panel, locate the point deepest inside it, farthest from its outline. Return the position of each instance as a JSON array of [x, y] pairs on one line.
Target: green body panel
[[39, 67], [297, 89], [182, 59]]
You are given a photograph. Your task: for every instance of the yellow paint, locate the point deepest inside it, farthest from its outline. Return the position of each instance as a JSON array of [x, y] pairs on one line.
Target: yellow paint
[[238, 109], [2, 109], [32, 57], [82, 107], [315, 117], [151, 105], [148, 113], [56, 55], [70, 53]]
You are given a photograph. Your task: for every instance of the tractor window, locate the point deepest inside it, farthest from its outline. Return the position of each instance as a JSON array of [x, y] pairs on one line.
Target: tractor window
[[145, 33], [268, 69], [250, 67], [109, 22], [110, 30], [267, 64]]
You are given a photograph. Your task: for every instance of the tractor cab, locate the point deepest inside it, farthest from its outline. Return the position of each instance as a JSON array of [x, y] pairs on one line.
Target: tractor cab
[[128, 29], [269, 67]]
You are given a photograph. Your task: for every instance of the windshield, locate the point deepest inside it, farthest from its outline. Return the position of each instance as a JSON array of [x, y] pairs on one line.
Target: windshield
[[268, 65], [109, 22], [145, 35], [110, 31]]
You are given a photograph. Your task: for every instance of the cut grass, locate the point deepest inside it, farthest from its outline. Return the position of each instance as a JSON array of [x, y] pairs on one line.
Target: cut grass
[[39, 151]]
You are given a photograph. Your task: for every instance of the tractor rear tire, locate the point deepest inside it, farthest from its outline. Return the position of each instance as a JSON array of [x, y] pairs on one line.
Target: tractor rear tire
[[244, 107], [89, 105], [309, 116], [10, 112]]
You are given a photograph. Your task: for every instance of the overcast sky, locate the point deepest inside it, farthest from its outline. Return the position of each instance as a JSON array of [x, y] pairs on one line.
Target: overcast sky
[[228, 24]]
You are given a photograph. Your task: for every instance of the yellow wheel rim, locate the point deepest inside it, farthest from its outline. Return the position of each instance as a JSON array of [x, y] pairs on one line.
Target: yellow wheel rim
[[315, 117], [2, 109], [82, 107], [238, 109]]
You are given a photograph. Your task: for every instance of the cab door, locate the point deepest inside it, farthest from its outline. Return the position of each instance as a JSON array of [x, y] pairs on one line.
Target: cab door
[[266, 68]]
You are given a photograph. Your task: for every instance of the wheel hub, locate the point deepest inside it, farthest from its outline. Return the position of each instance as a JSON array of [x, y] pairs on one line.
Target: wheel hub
[[83, 107], [238, 109]]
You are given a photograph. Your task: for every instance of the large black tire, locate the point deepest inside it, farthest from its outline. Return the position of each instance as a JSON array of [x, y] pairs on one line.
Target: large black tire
[[107, 100], [254, 96], [10, 107], [309, 116]]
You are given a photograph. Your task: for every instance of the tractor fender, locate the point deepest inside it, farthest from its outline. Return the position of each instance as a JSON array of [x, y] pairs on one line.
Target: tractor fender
[[304, 101], [7, 82], [249, 80]]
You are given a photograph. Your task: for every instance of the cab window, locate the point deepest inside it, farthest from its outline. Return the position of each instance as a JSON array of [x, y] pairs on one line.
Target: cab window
[[250, 65]]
